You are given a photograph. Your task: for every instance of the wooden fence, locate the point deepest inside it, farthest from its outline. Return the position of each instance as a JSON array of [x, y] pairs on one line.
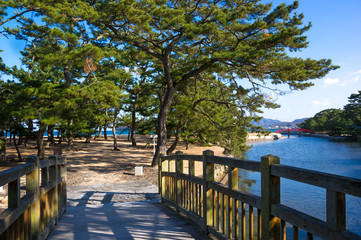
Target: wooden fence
[[33, 213], [221, 209]]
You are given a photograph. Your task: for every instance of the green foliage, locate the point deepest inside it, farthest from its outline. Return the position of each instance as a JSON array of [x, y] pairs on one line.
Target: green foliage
[[208, 64], [338, 121], [353, 113]]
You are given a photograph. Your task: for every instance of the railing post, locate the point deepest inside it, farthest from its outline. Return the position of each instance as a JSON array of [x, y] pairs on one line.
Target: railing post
[[32, 186], [270, 194], [232, 184], [178, 169], [162, 168], [160, 174], [336, 211], [53, 178], [63, 175], [44, 200], [14, 194], [208, 175]]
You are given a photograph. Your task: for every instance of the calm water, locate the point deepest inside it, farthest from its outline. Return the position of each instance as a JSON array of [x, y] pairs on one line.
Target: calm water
[[315, 154]]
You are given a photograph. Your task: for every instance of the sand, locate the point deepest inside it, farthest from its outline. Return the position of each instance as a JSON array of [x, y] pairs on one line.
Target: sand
[[96, 162]]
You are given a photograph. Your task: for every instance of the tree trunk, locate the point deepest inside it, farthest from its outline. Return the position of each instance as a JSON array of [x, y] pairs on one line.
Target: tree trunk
[[114, 133], [51, 134], [174, 145], [132, 135], [69, 136], [129, 130], [105, 131], [100, 131], [88, 138], [40, 141], [161, 124], [17, 149], [2, 146]]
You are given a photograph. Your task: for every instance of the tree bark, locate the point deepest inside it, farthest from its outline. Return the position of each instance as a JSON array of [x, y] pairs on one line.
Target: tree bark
[[161, 123], [51, 134], [17, 149], [40, 141], [2, 146], [105, 131], [69, 136], [88, 138], [114, 133], [176, 140], [132, 135], [129, 130], [100, 131]]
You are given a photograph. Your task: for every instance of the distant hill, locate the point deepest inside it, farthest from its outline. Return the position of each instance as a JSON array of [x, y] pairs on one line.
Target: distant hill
[[272, 123]]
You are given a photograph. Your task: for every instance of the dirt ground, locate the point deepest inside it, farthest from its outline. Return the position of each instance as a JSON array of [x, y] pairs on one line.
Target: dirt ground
[[97, 162]]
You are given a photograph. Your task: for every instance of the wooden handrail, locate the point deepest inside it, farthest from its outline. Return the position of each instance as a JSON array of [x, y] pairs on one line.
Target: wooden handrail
[[221, 209], [35, 214]]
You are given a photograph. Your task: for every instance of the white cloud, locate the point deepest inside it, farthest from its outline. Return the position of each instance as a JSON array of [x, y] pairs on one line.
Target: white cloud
[[321, 103], [353, 78], [330, 81]]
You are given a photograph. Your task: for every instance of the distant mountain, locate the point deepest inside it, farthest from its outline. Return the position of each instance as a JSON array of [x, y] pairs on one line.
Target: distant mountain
[[272, 123]]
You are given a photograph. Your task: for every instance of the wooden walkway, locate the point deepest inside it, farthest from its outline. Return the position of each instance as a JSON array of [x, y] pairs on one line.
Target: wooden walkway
[[135, 220]]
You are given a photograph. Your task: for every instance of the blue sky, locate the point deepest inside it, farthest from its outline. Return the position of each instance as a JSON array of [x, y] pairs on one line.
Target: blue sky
[[335, 34]]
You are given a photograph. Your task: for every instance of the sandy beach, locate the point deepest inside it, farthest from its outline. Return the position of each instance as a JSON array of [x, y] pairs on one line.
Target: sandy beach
[[96, 162]]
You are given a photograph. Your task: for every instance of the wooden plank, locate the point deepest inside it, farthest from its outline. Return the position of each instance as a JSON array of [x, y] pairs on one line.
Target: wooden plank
[[208, 175], [193, 179], [309, 224], [234, 218], [248, 198], [250, 222], [44, 163], [283, 230], [336, 210], [32, 186], [45, 189], [228, 217], [217, 211], [332, 182], [53, 176], [295, 233], [51, 161], [216, 234], [309, 236], [14, 194], [188, 214], [270, 189], [168, 174], [243, 221], [222, 213], [167, 158], [259, 223], [197, 158], [236, 163], [9, 216], [14, 173], [178, 169]]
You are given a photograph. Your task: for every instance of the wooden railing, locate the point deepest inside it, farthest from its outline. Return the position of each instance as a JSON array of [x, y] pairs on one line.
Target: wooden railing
[[221, 209], [35, 208]]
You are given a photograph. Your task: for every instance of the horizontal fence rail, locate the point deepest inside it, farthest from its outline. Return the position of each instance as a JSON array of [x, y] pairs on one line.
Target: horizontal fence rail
[[33, 215], [229, 213]]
